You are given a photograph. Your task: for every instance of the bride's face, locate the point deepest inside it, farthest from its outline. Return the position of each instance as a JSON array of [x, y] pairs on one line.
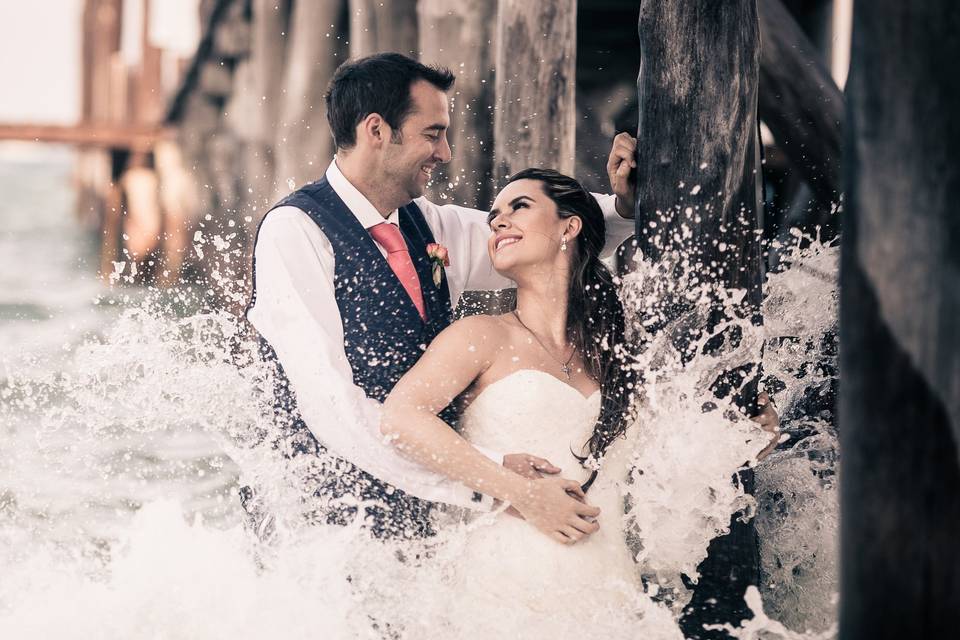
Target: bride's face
[[525, 229]]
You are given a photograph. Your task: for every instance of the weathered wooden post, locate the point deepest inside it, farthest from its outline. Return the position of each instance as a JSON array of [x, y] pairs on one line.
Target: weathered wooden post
[[535, 117], [268, 44], [698, 199], [99, 201], [377, 26], [900, 325], [304, 147], [460, 35], [698, 216]]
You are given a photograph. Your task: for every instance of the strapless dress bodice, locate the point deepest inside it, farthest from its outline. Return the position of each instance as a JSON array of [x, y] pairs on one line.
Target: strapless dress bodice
[[530, 411]]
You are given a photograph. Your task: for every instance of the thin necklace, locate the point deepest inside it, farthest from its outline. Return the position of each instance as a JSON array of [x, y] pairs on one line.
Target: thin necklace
[[564, 366]]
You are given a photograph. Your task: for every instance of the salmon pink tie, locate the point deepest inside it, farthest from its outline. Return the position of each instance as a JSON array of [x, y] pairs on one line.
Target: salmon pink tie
[[389, 237]]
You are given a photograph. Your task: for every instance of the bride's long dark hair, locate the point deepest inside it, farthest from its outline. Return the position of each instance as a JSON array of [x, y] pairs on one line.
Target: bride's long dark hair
[[596, 324]]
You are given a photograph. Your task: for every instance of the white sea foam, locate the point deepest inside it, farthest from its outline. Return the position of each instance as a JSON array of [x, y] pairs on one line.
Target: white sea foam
[[119, 518]]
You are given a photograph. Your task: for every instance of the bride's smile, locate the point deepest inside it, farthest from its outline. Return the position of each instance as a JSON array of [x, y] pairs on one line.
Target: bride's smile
[[506, 240]]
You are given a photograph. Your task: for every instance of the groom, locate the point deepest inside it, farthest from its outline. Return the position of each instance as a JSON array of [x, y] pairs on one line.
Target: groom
[[346, 297]]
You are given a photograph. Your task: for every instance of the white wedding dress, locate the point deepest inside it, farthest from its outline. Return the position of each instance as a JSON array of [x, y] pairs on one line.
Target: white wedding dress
[[514, 581]]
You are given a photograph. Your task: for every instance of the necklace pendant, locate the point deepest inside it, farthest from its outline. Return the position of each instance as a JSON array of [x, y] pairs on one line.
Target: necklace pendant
[[566, 370]]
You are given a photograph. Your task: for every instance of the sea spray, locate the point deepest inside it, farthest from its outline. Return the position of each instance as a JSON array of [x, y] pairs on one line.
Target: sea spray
[[683, 454], [119, 513], [687, 445], [797, 486]]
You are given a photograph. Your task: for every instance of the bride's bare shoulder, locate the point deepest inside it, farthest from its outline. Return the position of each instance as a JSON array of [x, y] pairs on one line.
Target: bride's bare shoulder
[[479, 332], [478, 326]]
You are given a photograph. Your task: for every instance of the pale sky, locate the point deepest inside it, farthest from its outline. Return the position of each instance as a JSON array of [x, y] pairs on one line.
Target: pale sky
[[40, 61], [40, 52]]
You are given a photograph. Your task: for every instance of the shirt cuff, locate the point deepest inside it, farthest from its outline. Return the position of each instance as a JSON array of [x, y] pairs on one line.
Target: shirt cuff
[[483, 501]]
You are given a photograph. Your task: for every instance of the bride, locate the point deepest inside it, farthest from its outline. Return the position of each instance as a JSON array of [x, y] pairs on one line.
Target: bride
[[546, 235], [550, 377]]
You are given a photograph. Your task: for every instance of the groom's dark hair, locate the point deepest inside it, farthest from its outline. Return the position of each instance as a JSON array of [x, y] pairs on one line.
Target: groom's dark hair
[[376, 84]]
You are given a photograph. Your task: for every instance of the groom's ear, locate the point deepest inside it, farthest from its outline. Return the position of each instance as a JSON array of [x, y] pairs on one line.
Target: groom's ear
[[374, 129]]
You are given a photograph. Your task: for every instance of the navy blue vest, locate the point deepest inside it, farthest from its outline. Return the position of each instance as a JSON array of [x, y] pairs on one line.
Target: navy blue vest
[[384, 336]]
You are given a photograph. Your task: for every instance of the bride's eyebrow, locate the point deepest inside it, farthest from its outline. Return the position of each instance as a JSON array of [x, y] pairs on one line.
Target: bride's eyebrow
[[495, 212]]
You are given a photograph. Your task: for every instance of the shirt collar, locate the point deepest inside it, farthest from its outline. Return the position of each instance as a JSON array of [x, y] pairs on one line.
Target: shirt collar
[[358, 204]]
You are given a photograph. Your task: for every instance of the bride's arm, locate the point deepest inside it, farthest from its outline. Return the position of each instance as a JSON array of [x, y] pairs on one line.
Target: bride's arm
[[451, 363], [457, 357]]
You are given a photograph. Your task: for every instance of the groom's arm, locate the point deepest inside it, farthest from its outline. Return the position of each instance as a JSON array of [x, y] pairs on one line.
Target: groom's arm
[[464, 231], [296, 312]]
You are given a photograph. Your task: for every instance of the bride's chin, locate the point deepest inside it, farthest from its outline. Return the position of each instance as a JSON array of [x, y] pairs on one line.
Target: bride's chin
[[504, 270], [518, 272]]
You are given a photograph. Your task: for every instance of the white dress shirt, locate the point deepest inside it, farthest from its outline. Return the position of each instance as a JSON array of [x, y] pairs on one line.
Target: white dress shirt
[[296, 312]]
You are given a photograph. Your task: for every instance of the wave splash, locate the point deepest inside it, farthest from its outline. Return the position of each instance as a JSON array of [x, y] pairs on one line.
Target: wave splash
[[119, 514]]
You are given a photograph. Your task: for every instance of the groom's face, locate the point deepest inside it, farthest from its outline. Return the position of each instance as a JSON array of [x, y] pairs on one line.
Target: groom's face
[[410, 159]]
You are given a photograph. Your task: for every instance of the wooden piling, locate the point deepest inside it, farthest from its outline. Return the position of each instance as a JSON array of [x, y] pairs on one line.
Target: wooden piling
[[377, 26], [461, 36], [698, 216], [698, 190], [303, 146], [803, 107], [535, 117], [900, 340]]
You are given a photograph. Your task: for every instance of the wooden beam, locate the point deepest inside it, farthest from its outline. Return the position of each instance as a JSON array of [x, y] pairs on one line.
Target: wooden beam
[[205, 50], [900, 325], [803, 107], [535, 118], [87, 135]]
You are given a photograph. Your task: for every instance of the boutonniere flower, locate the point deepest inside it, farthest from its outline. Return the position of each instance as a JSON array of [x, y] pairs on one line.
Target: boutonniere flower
[[438, 256]]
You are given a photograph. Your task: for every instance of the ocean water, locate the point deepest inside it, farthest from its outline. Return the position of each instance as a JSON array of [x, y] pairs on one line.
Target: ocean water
[[129, 418]]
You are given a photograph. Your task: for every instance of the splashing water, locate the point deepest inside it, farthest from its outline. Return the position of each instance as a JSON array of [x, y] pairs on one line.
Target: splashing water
[[153, 421], [124, 448], [680, 492], [797, 486]]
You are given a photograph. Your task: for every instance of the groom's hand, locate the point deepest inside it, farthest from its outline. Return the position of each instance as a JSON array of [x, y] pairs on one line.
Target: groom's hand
[[558, 507], [622, 171], [769, 421], [529, 466]]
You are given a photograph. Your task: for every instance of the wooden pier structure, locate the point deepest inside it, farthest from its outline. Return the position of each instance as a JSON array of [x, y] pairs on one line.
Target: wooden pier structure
[[127, 160], [245, 112]]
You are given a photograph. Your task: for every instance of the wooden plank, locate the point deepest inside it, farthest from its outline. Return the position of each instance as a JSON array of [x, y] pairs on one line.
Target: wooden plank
[[88, 135], [900, 340], [535, 117]]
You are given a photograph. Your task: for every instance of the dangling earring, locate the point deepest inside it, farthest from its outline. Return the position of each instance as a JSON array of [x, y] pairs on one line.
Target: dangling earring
[[563, 243]]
